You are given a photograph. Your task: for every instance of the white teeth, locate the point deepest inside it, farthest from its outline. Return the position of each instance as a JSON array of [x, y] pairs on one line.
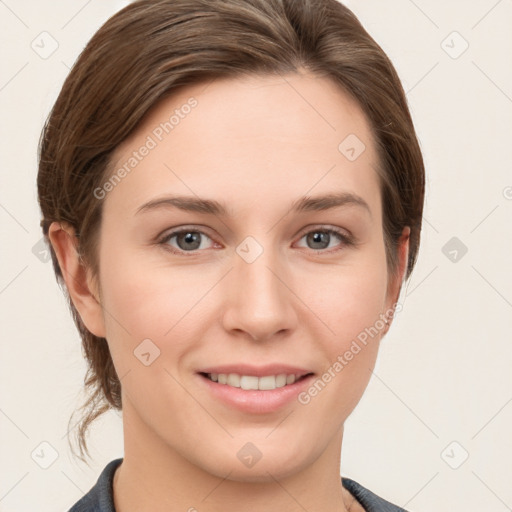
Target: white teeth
[[280, 380], [234, 380], [248, 382], [268, 382]]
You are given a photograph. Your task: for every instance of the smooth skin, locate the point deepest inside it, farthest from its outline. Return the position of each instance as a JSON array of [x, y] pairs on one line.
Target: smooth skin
[[256, 145]]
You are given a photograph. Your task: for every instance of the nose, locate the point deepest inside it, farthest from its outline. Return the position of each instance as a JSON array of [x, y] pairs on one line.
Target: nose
[[259, 298]]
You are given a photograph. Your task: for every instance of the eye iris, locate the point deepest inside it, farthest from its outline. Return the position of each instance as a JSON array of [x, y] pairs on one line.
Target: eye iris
[[191, 240], [319, 237], [190, 237]]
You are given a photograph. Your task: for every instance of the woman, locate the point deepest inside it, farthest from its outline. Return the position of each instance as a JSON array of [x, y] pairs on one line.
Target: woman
[[233, 193]]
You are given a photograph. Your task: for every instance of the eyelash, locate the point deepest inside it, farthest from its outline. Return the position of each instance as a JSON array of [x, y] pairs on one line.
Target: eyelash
[[346, 240]]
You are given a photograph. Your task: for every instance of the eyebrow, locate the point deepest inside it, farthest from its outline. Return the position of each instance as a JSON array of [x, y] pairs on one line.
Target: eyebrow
[[212, 207]]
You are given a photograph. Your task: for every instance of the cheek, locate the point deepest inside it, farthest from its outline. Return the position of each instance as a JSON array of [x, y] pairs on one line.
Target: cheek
[[141, 301], [144, 302], [349, 300], [351, 309], [350, 304]]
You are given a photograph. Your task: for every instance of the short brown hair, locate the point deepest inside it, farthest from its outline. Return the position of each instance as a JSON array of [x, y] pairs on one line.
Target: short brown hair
[[149, 49]]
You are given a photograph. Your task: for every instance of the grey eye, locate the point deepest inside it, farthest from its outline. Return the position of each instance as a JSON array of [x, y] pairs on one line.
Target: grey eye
[[186, 240]]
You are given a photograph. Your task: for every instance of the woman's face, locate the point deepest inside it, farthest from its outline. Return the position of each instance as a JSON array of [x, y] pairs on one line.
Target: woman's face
[[258, 287]]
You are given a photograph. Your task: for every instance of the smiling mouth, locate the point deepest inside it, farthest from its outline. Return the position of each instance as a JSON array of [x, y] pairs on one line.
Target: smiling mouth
[[248, 382]]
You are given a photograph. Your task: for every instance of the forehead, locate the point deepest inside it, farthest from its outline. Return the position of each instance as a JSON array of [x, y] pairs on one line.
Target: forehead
[[250, 139]]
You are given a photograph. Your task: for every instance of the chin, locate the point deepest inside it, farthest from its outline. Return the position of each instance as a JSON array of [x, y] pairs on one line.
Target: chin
[[265, 465]]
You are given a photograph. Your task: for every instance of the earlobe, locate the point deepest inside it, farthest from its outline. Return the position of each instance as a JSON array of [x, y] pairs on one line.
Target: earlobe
[[77, 277]]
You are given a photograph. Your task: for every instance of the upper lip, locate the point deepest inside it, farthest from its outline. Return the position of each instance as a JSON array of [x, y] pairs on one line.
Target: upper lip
[[256, 371]]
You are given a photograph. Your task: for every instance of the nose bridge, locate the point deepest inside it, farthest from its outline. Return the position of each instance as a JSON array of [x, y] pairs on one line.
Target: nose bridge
[[260, 303]]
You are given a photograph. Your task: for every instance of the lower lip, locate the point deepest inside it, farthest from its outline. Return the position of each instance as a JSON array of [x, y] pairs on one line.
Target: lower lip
[[255, 401]]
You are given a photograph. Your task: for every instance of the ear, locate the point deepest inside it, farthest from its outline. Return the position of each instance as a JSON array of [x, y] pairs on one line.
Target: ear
[[78, 278], [395, 280]]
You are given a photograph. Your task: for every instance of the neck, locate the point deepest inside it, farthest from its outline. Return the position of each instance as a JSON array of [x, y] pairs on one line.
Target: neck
[[155, 477]]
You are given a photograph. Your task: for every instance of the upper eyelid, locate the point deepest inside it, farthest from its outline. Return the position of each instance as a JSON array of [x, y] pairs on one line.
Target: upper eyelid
[[176, 231]]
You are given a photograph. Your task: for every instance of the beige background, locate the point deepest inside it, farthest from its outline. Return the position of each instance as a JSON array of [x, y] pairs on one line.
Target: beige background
[[442, 388]]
